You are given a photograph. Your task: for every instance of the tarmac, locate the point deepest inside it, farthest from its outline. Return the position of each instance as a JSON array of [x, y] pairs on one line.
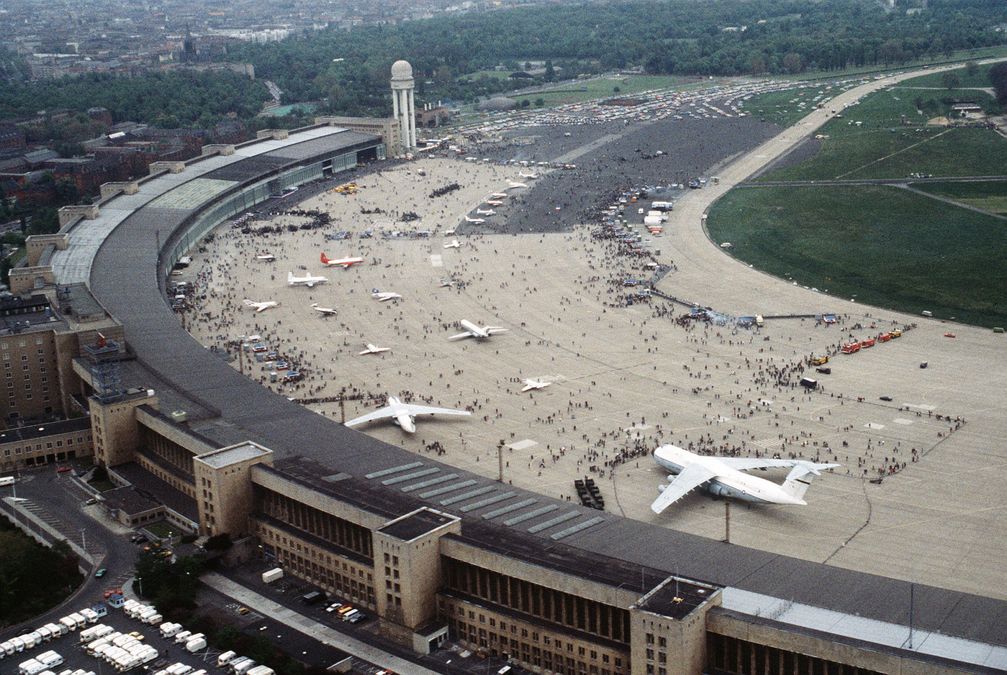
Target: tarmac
[[917, 496]]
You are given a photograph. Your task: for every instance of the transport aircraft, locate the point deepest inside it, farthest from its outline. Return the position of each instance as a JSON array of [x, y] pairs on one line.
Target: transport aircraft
[[531, 384], [531, 175], [325, 311], [266, 257], [371, 349], [485, 212], [345, 263], [403, 414], [476, 221], [260, 306], [474, 331], [514, 186], [384, 296], [725, 477], [307, 280], [453, 244]]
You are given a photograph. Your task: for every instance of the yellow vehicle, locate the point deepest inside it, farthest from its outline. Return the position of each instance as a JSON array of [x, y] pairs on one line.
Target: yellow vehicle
[[895, 333], [819, 360]]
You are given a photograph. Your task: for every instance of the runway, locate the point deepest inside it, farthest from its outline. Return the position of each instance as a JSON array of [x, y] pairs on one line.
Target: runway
[[627, 378]]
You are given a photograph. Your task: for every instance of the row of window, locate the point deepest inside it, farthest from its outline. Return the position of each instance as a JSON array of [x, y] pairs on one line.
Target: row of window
[[49, 445]]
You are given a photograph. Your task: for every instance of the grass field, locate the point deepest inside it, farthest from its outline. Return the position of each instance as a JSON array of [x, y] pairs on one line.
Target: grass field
[[786, 107], [886, 136], [603, 87], [981, 78], [881, 245], [990, 196]]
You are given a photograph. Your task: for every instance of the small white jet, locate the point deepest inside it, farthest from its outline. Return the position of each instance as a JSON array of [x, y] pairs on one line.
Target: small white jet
[[446, 283], [474, 331], [325, 311], [499, 195], [725, 477], [403, 414], [454, 243], [345, 263], [531, 384], [514, 186], [485, 212], [494, 202], [532, 176], [371, 349], [477, 221], [266, 257], [307, 280], [384, 296], [260, 306]]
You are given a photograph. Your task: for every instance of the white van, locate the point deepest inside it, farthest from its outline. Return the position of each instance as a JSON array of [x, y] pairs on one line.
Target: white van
[[225, 659]]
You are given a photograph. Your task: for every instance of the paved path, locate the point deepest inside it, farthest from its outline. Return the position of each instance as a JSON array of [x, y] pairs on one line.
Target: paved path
[[310, 627]]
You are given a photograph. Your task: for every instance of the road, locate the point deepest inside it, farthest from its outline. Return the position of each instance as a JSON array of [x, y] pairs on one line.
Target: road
[[53, 504]]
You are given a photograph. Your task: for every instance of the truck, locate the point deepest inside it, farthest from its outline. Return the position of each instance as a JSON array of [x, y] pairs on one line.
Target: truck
[[30, 667], [6, 480], [313, 597], [662, 206], [653, 221], [49, 659], [193, 646], [169, 629], [242, 667], [269, 576]]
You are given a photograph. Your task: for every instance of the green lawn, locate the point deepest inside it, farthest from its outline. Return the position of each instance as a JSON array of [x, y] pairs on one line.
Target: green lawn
[[886, 136], [784, 107], [989, 196], [981, 78], [603, 87], [882, 245]]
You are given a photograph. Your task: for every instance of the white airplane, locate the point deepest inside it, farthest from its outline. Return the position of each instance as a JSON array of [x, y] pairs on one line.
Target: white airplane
[[723, 476], [522, 174], [266, 257], [326, 311], [384, 296], [306, 280], [474, 331], [454, 243], [446, 283], [514, 186], [535, 384], [345, 263], [477, 221], [371, 349], [486, 212], [403, 414], [261, 306], [499, 195], [494, 202]]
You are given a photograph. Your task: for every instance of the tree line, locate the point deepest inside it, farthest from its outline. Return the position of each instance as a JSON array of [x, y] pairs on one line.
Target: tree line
[[718, 37]]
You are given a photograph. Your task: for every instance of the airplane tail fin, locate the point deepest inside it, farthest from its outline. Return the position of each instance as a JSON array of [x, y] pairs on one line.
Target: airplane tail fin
[[324, 258], [290, 277], [799, 479]]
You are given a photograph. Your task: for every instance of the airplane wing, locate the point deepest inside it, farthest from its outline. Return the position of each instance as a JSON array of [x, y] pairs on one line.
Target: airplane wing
[[460, 336], [262, 308], [379, 414], [748, 463], [493, 330], [428, 410], [688, 480]]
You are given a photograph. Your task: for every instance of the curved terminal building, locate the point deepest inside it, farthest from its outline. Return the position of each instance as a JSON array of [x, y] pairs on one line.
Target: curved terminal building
[[435, 552]]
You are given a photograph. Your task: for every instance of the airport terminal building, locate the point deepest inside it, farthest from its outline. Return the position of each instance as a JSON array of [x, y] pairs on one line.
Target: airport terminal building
[[435, 552]]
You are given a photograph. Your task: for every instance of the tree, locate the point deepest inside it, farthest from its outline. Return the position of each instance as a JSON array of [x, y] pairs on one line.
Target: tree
[[525, 103], [550, 71], [950, 80], [792, 62], [539, 102], [998, 78]]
